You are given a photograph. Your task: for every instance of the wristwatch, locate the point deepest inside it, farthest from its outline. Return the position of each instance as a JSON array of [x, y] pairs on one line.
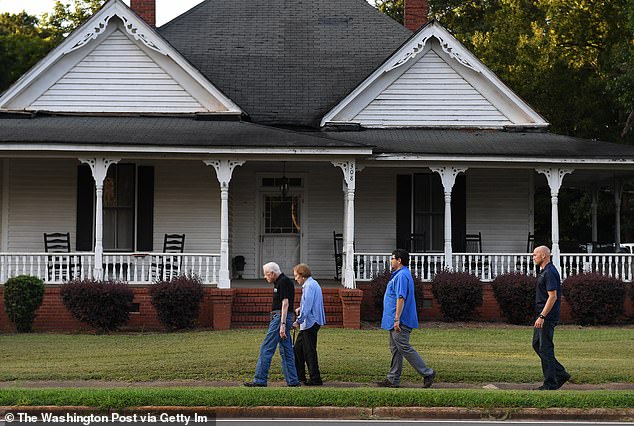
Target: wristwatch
[[541, 316]]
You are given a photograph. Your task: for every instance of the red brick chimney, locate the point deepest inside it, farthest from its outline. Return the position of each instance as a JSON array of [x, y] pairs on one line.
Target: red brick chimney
[[146, 9], [415, 15]]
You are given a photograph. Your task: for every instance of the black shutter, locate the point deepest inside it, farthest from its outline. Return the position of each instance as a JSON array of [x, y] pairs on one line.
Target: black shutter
[[145, 209], [403, 210], [459, 214], [85, 206]]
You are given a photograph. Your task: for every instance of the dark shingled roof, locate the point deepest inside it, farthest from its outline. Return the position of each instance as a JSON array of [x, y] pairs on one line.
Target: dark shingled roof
[[484, 143], [285, 62], [161, 131]]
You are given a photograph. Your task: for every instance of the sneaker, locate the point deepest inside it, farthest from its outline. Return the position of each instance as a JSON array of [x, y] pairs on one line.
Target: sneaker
[[254, 385], [385, 383], [295, 385], [562, 380], [429, 380]]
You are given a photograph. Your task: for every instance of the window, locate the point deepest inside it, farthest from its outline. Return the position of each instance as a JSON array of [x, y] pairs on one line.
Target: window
[[428, 210], [118, 208], [281, 215]]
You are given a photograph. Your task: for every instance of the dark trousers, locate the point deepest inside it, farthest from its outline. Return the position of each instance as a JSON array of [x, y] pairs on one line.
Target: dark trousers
[[543, 345], [306, 354]]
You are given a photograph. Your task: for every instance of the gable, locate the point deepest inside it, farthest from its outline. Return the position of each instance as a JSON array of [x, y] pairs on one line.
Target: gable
[[117, 76], [431, 93], [433, 81], [115, 63]]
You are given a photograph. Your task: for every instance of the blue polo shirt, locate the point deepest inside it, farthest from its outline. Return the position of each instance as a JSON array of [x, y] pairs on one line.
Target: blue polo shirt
[[548, 280], [400, 286]]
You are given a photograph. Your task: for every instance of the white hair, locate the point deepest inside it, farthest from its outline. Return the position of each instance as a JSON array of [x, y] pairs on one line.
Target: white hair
[[272, 267]]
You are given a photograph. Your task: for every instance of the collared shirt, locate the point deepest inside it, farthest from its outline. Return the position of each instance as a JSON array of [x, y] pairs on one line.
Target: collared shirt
[[283, 288], [548, 280], [311, 307], [400, 286]]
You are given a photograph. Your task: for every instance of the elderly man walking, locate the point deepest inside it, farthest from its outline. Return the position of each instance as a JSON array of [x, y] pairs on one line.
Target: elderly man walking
[[400, 317], [547, 306], [279, 327]]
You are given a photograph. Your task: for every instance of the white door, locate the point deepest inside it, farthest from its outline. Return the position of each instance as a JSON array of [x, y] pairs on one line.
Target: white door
[[281, 231]]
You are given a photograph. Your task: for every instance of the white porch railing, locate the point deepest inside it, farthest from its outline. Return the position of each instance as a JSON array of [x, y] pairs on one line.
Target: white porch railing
[[487, 266], [135, 268]]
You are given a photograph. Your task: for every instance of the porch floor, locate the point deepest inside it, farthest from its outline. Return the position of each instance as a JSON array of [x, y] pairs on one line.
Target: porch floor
[[261, 283]]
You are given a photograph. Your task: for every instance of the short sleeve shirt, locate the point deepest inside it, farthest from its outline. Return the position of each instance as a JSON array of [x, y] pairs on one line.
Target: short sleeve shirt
[[548, 280], [283, 288], [400, 286]]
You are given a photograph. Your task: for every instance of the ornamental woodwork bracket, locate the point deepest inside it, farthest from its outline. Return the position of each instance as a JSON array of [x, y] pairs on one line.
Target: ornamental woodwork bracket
[[99, 167], [97, 28], [348, 168], [555, 178], [224, 170], [448, 176], [450, 47]]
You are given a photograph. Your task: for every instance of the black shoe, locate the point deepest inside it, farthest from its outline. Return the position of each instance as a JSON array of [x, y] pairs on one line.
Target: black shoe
[[385, 383], [562, 380], [429, 380], [295, 385], [544, 388], [254, 385], [313, 383]]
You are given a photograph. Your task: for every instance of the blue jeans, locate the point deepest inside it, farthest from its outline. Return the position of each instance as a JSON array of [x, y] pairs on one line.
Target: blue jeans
[[267, 350], [544, 346]]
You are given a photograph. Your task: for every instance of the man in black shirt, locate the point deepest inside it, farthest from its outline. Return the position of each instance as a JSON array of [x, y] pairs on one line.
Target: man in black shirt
[[547, 306], [279, 327]]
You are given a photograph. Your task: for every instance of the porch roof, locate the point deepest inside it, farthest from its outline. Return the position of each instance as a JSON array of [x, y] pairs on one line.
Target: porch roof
[[159, 131], [489, 143]]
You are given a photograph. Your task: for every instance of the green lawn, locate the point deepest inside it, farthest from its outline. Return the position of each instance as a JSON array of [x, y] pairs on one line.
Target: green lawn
[[472, 355]]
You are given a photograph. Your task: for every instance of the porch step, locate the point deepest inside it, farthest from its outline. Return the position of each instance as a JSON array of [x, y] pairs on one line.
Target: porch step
[[252, 306]]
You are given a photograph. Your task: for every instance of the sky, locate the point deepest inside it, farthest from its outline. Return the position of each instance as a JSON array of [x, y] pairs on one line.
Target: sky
[[166, 10]]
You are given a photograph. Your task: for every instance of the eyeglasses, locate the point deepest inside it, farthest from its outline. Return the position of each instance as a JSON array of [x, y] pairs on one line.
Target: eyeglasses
[[394, 258]]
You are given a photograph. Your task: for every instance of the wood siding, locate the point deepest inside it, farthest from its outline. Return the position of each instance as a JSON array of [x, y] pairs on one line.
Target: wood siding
[[375, 207], [117, 76], [42, 198], [187, 201], [498, 205], [431, 93]]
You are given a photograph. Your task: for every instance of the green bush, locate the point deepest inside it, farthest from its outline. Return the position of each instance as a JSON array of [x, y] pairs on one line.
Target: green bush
[[515, 294], [594, 298], [459, 294], [104, 305], [378, 284], [22, 296], [177, 301]]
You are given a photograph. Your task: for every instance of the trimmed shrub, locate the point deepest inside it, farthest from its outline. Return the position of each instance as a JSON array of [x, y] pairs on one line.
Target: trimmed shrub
[[22, 296], [177, 301], [459, 294], [378, 284], [594, 298], [104, 305], [515, 294]]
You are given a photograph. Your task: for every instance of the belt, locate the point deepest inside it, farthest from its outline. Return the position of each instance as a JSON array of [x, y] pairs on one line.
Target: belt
[[277, 311]]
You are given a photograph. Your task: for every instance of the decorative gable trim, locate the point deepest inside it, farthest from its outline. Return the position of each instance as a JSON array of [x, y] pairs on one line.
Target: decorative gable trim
[[434, 37], [79, 43]]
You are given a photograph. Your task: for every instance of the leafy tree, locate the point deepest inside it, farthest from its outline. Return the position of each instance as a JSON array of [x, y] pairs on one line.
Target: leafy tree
[[67, 16], [392, 8]]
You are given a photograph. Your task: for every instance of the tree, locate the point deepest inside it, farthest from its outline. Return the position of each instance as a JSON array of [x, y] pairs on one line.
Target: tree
[[392, 8], [67, 16]]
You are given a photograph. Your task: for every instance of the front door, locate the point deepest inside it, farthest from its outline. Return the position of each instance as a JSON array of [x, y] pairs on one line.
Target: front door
[[281, 231]]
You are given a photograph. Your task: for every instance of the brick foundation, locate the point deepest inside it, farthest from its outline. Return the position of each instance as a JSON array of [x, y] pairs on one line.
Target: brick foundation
[[351, 304]]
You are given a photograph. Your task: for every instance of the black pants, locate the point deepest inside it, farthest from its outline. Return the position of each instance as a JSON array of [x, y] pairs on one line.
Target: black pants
[[543, 345], [306, 353]]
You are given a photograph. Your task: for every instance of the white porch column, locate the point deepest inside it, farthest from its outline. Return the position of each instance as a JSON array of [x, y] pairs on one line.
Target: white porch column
[[618, 195], [99, 167], [594, 206], [448, 178], [555, 178], [349, 174], [224, 170]]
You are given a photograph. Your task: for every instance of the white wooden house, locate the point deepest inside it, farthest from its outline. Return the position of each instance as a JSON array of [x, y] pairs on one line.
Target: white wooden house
[[125, 132]]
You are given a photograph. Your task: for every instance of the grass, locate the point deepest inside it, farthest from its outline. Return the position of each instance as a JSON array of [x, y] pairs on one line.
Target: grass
[[470, 355], [359, 397]]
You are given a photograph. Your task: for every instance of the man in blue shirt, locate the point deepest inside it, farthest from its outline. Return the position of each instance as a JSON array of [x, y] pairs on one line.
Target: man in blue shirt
[[400, 317], [310, 317], [547, 307]]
